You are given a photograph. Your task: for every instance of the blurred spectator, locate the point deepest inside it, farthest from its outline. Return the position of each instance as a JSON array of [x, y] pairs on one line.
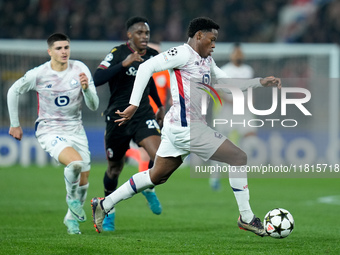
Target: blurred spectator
[[102, 20], [294, 18], [324, 26], [240, 20]]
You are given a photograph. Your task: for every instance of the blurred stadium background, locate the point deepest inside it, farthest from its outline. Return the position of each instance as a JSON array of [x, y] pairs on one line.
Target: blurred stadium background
[[296, 40]]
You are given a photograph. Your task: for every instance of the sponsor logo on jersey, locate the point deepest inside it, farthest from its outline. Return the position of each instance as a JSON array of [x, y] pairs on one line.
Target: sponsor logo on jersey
[[131, 71]]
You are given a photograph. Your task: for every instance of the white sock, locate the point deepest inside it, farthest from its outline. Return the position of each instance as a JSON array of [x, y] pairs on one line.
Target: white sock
[[137, 183], [152, 189], [239, 183], [82, 193], [69, 215], [72, 177], [112, 211]]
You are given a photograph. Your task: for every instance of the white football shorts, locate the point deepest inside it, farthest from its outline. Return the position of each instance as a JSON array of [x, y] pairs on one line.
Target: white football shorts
[[181, 141], [54, 144]]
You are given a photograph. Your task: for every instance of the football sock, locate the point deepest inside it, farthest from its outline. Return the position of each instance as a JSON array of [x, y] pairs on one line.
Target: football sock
[[112, 211], [69, 215], [82, 193], [150, 165], [110, 185], [72, 177], [137, 183], [239, 183]]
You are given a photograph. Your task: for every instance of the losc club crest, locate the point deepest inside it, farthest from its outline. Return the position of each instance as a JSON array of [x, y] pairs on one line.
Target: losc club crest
[[172, 52]]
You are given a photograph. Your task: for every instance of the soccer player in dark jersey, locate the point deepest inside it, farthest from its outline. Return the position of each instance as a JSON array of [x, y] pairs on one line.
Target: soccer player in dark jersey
[[119, 69]]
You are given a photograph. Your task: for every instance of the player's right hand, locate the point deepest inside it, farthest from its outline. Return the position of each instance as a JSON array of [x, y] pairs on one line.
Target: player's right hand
[[16, 132], [271, 81], [84, 81], [126, 114], [160, 116], [132, 58]]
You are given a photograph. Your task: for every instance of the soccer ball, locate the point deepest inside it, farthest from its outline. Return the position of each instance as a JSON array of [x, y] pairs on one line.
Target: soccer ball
[[278, 223]]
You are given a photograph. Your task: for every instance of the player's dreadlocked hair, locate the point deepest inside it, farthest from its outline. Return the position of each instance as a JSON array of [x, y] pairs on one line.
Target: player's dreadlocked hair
[[134, 20], [56, 37], [201, 24]]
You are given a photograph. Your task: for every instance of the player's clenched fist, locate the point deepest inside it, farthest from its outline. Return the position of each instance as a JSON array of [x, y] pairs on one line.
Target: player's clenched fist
[[84, 81]]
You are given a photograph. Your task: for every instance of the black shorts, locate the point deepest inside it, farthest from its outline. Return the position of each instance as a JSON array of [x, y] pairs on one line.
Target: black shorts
[[117, 138]]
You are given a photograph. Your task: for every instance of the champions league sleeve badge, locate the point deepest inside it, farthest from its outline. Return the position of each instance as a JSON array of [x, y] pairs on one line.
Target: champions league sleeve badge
[[172, 52]]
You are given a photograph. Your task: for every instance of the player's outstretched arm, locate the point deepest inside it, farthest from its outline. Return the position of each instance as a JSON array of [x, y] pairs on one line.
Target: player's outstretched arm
[[126, 115]]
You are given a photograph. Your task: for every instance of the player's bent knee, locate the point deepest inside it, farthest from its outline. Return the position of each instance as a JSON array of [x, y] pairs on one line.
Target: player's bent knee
[[115, 168], [238, 159], [76, 166], [242, 158], [114, 172]]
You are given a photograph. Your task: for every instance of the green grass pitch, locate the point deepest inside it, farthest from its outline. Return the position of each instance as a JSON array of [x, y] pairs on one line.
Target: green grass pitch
[[195, 219]]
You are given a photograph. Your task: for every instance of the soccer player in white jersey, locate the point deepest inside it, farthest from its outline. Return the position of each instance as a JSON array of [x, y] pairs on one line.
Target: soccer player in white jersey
[[186, 62], [61, 85], [237, 134]]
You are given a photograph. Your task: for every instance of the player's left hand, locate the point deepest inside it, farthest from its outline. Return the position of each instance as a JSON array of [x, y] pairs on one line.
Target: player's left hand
[[160, 116], [126, 115], [16, 132], [84, 81], [271, 81]]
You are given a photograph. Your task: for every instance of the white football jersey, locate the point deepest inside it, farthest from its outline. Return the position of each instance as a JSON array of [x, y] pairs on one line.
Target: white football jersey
[[191, 77], [59, 97]]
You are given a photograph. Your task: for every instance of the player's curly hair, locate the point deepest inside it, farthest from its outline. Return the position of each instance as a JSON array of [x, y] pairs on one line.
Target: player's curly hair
[[57, 37], [201, 24], [131, 21]]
